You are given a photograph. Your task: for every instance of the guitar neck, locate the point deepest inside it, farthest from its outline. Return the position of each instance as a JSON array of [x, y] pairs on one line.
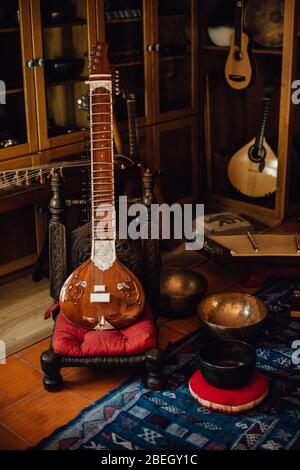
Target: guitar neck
[[133, 131], [102, 165], [262, 128], [239, 21]]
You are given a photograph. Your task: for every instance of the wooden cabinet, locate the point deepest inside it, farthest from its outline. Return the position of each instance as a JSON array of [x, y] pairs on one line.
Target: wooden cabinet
[[231, 118], [45, 44], [154, 44], [51, 41]]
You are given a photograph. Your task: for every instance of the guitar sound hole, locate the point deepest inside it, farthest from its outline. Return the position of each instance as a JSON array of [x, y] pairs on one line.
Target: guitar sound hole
[[257, 154], [238, 55]]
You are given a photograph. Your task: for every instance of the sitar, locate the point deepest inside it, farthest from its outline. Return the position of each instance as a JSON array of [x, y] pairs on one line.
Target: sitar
[[102, 293], [239, 67], [252, 170]]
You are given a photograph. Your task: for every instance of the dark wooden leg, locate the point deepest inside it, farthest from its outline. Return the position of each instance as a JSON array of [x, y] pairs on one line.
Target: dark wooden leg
[[151, 248], [154, 378], [53, 381], [57, 239]]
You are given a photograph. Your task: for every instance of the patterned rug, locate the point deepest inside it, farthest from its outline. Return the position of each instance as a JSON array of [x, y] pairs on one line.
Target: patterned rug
[[133, 417]]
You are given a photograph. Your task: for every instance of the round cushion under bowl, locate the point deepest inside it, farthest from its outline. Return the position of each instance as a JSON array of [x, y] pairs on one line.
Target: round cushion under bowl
[[229, 401]]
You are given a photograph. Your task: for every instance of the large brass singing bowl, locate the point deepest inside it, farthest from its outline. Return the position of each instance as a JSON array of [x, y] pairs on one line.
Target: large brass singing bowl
[[181, 290], [232, 315]]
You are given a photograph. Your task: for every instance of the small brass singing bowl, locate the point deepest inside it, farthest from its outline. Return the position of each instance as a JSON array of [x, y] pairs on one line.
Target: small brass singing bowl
[[232, 315], [180, 291]]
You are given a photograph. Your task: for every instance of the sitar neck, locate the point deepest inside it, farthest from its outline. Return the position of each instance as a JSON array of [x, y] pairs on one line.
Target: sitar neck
[[239, 20], [102, 171]]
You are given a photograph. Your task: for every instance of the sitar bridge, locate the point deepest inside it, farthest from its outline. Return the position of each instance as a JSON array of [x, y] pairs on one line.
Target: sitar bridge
[[237, 78]]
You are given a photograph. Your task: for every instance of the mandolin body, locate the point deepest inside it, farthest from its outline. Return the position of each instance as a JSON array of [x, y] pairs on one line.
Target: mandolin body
[[96, 299], [246, 176], [238, 72]]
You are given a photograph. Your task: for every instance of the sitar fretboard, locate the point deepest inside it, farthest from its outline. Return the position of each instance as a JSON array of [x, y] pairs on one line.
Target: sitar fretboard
[[102, 165]]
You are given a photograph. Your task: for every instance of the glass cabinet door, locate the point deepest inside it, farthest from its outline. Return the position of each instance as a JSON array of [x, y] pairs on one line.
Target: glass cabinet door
[[17, 105], [176, 35], [62, 59], [124, 32], [176, 156]]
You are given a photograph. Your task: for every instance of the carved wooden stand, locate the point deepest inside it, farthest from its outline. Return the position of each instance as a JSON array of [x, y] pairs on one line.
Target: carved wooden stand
[[68, 252]]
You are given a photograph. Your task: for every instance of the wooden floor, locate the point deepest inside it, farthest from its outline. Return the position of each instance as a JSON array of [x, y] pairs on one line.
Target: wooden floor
[[22, 303], [28, 413]]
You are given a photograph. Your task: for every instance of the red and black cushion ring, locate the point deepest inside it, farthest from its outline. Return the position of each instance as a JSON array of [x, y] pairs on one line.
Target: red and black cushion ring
[[71, 340], [229, 401]]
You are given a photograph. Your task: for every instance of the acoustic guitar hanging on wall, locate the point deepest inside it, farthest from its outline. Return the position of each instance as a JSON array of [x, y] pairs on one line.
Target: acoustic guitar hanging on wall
[[102, 293], [252, 170], [239, 67]]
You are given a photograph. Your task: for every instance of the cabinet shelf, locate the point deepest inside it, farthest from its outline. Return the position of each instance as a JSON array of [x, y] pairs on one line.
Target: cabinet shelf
[[12, 91], [66, 82], [134, 19], [65, 24], [256, 50], [140, 62], [13, 29], [172, 57], [129, 64]]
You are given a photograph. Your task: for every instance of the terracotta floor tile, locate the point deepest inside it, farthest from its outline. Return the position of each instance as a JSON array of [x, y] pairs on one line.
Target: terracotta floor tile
[[93, 383], [167, 336], [18, 380], [33, 354], [9, 441], [33, 419], [185, 326]]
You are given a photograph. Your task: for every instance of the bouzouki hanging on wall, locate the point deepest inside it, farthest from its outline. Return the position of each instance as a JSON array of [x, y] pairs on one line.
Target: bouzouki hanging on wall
[[102, 293], [239, 67], [252, 170]]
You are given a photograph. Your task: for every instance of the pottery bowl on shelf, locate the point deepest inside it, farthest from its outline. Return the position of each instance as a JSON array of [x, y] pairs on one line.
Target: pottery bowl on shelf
[[227, 364], [180, 291], [232, 315]]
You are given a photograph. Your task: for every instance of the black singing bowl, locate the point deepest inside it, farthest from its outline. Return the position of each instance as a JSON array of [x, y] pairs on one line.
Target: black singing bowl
[[232, 315], [180, 291], [227, 364]]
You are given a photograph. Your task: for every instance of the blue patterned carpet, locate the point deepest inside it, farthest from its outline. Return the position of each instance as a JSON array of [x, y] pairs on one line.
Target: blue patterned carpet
[[133, 417]]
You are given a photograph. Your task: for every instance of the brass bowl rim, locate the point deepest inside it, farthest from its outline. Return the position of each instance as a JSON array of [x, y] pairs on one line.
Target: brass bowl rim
[[200, 276], [263, 305]]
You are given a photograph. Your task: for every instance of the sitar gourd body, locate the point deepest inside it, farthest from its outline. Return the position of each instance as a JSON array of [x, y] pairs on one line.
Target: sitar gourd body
[[117, 284], [245, 175], [102, 294]]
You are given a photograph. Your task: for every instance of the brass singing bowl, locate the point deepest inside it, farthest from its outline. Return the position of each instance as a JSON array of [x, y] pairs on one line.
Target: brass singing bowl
[[232, 315], [181, 290]]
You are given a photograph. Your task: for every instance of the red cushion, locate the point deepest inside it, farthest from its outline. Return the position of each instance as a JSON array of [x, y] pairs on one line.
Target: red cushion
[[229, 401], [71, 340]]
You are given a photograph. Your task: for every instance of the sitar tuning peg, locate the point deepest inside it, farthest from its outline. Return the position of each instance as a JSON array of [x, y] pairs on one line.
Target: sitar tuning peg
[[5, 182], [17, 179], [41, 177]]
